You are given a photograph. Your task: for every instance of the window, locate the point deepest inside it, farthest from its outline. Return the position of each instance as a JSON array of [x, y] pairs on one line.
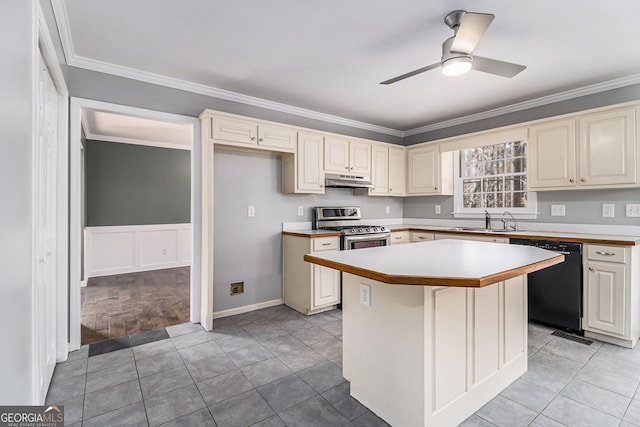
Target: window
[[493, 178]]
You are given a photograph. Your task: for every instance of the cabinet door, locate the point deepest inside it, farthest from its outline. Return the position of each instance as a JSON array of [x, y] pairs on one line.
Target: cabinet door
[[326, 286], [277, 137], [336, 154], [379, 169], [310, 176], [551, 155], [397, 171], [605, 297], [359, 158], [399, 237], [419, 236], [424, 170], [234, 131], [608, 148]]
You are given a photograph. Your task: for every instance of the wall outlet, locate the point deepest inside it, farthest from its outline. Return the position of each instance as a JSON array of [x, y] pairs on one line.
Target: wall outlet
[[251, 211], [632, 210], [387, 210], [236, 288], [438, 209], [365, 294], [608, 210], [557, 210], [300, 210]]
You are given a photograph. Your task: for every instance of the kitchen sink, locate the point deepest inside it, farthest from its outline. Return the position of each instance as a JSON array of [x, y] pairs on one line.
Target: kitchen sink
[[478, 229]]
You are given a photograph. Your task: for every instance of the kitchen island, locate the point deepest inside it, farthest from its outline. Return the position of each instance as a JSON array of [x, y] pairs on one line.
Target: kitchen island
[[434, 330]]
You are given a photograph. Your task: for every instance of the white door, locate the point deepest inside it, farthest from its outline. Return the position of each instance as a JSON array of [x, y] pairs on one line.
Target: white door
[[379, 169], [424, 170], [359, 158], [552, 155], [44, 315], [336, 154], [397, 168]]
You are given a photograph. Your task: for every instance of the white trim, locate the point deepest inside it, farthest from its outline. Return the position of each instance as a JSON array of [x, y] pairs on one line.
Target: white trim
[[77, 104], [74, 60], [133, 141], [246, 308], [532, 103]]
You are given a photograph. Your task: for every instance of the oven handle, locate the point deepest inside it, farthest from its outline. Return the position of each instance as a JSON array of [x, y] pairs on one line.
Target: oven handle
[[367, 237]]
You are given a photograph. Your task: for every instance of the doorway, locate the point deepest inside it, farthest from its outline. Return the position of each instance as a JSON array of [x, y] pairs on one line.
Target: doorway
[[127, 259]]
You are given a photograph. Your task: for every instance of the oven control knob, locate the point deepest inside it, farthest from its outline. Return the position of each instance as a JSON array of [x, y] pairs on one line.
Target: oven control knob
[[353, 230], [368, 230]]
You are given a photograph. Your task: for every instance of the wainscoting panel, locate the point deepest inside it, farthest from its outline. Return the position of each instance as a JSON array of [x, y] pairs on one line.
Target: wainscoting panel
[[132, 248]]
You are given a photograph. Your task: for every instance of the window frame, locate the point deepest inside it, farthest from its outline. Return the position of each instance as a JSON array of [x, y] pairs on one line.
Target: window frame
[[459, 211]]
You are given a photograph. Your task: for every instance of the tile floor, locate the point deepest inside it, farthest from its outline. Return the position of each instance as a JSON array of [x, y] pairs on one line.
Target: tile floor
[[275, 367]]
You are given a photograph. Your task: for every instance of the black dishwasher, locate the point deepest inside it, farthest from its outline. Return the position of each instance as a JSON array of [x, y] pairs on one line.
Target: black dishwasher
[[555, 293]]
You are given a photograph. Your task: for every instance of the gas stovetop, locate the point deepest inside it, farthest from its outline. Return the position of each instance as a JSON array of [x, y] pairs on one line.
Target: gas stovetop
[[346, 220], [350, 230]]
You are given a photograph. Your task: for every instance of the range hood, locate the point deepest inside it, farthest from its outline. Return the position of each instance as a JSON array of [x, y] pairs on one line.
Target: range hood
[[347, 181]]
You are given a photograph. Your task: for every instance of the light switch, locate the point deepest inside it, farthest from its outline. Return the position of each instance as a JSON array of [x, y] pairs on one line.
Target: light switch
[[300, 210], [251, 211], [557, 210], [365, 294], [387, 210], [633, 210], [608, 210], [438, 210]]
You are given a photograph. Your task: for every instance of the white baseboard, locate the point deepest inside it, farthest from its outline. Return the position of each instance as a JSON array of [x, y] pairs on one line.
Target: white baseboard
[[246, 308], [134, 248]]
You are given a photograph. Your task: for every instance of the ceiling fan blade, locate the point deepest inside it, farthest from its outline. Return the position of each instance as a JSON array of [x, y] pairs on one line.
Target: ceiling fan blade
[[499, 68], [470, 31], [410, 74]]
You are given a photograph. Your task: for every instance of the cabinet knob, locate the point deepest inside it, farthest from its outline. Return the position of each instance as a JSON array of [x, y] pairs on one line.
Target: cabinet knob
[[572, 180], [435, 188], [326, 244], [605, 253], [261, 139], [583, 180], [351, 168], [592, 269], [253, 138], [346, 167]]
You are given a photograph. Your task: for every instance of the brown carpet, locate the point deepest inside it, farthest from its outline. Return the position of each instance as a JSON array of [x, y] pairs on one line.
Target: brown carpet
[[124, 304]]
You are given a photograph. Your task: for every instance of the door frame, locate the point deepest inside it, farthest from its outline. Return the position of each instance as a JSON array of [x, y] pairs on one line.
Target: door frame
[[75, 220]]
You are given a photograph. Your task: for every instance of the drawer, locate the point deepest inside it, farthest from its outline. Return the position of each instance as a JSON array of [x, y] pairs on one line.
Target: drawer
[[400, 237], [417, 236], [326, 244], [606, 253]]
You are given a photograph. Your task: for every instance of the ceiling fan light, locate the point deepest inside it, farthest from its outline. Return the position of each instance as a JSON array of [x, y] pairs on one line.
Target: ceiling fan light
[[456, 66]]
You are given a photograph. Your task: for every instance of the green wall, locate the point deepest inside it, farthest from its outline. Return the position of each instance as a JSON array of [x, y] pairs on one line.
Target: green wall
[[130, 184]]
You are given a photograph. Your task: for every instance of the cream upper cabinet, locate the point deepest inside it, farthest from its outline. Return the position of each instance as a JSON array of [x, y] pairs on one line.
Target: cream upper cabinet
[[232, 131], [608, 148], [379, 169], [310, 174], [397, 171], [302, 172], [597, 150], [430, 172], [552, 154], [344, 156]]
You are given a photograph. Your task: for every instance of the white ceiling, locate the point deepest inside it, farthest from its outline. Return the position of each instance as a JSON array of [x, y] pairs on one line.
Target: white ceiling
[[329, 56]]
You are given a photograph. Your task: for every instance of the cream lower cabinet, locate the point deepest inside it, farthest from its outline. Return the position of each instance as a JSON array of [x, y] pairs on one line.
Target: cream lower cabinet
[[595, 150], [309, 288], [400, 237], [421, 236], [484, 238], [611, 297]]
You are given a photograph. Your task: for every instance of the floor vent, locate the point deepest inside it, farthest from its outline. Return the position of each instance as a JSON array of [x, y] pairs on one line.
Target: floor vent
[[567, 336]]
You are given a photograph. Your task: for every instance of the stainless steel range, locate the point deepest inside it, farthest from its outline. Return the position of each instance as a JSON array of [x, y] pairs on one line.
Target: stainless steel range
[[355, 234]]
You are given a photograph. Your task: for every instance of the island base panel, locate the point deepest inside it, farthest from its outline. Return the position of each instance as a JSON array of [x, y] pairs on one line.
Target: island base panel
[[432, 356]]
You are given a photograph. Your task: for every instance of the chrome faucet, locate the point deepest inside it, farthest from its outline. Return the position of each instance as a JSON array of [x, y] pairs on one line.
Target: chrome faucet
[[487, 220], [513, 227]]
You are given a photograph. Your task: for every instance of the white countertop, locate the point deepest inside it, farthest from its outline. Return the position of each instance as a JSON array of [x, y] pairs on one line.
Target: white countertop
[[440, 262]]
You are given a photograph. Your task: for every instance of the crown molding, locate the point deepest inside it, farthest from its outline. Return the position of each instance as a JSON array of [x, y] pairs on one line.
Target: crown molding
[[74, 60], [532, 103]]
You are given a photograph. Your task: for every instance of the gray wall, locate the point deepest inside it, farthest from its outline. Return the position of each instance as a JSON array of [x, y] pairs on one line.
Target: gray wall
[[17, 45], [250, 249], [581, 206], [602, 99], [130, 184]]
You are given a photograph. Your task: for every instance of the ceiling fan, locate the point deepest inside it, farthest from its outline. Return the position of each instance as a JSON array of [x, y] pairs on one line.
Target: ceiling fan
[[457, 51]]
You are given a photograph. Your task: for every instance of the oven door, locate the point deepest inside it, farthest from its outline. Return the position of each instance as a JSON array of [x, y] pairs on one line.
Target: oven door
[[366, 241]]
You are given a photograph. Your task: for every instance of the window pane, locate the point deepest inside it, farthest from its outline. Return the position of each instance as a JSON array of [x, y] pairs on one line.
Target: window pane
[[493, 200], [520, 200], [471, 200], [471, 186]]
